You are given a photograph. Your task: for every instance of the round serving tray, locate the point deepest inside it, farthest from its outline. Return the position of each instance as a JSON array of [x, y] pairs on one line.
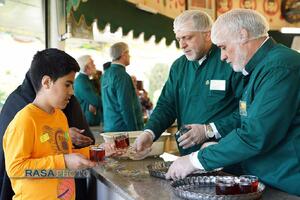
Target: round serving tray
[[159, 170], [203, 188]]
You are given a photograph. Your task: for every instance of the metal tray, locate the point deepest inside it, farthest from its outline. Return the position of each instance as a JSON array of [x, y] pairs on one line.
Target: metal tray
[[159, 170], [203, 188]]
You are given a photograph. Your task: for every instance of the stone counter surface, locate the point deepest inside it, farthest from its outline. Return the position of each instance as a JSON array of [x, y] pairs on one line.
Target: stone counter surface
[[130, 180]]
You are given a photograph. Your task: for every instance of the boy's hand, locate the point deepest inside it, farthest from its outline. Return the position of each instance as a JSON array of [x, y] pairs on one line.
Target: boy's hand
[[79, 139], [77, 161]]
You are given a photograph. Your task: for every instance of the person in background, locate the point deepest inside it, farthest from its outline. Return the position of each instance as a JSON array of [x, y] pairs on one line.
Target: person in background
[[134, 81], [37, 138], [106, 65], [96, 79], [85, 91], [80, 133], [201, 88], [267, 138], [121, 107], [146, 102], [143, 98]]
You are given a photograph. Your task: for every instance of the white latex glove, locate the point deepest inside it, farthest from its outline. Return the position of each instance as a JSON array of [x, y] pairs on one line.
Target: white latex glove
[[110, 148], [79, 139], [180, 168], [142, 142], [134, 155], [206, 144], [194, 136]]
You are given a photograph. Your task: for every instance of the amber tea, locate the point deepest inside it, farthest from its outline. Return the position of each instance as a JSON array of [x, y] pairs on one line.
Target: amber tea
[[121, 141], [226, 186], [97, 154]]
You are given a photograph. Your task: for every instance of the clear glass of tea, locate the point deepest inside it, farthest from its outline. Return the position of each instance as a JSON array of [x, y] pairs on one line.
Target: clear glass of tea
[[226, 185], [245, 185], [97, 153], [121, 140], [254, 181]]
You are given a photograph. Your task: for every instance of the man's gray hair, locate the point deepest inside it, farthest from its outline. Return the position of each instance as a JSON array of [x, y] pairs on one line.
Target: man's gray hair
[[229, 25], [192, 20], [82, 61], [117, 49]]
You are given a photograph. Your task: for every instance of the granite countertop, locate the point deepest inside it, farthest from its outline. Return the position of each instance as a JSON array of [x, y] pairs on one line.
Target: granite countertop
[[130, 179]]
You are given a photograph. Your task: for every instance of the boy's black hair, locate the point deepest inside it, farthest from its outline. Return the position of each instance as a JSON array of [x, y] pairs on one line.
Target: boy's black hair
[[51, 62]]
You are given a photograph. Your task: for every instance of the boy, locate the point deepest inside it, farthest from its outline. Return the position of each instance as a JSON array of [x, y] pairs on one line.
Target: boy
[[37, 138]]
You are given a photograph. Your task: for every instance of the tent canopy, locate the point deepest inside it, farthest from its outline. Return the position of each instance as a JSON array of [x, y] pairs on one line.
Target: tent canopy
[[120, 13]]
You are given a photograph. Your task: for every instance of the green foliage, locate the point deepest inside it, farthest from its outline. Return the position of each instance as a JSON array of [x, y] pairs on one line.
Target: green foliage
[[3, 97], [157, 78]]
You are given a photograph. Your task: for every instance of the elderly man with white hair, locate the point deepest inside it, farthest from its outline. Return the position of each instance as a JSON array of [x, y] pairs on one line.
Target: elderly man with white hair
[[201, 88], [267, 141], [86, 92], [121, 108]]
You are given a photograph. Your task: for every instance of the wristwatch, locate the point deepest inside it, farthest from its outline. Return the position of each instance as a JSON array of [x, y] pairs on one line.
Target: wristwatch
[[209, 132]]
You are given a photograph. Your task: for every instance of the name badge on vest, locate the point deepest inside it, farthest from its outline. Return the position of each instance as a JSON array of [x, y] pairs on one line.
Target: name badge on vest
[[243, 108], [217, 85]]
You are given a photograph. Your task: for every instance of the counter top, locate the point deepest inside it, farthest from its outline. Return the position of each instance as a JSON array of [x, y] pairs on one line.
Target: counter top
[[130, 179]]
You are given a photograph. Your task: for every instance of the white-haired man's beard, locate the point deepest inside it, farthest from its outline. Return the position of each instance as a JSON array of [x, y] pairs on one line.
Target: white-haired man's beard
[[194, 55], [240, 62]]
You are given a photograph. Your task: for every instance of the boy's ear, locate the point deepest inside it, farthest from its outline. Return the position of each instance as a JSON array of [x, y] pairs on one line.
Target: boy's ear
[[46, 82]]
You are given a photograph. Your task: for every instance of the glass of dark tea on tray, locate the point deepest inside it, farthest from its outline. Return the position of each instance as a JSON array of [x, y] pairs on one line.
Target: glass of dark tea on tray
[[226, 185], [229, 185], [121, 140], [97, 153], [253, 180]]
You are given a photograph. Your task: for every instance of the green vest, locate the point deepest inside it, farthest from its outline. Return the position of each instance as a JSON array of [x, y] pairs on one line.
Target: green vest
[[267, 143], [190, 95], [86, 93], [121, 108]]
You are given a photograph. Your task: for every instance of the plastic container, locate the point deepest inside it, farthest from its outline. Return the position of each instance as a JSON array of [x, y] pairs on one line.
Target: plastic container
[[157, 147]]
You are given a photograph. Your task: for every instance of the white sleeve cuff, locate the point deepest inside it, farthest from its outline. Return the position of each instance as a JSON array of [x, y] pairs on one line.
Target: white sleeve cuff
[[151, 133], [194, 160], [215, 130]]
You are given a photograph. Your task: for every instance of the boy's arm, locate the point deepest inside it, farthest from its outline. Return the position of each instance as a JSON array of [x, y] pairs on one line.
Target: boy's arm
[[84, 151], [18, 145]]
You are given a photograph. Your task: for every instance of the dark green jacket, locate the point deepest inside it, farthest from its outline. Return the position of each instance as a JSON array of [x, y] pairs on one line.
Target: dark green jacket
[[187, 97], [268, 141], [86, 94], [121, 107]]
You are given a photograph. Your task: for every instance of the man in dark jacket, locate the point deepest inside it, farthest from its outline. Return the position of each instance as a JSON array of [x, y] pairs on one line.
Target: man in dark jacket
[[81, 135]]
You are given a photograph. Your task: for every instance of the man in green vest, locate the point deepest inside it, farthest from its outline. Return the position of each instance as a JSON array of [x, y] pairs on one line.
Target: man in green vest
[[86, 92], [201, 88], [121, 107], [267, 140]]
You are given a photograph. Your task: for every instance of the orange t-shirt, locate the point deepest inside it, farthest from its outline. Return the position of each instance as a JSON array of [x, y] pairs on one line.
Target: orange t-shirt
[[34, 144]]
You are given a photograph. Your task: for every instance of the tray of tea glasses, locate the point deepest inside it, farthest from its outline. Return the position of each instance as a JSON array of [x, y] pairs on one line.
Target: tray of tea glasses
[[208, 187], [159, 170]]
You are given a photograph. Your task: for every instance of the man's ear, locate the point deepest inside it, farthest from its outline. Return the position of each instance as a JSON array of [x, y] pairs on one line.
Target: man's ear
[[46, 82], [244, 36]]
